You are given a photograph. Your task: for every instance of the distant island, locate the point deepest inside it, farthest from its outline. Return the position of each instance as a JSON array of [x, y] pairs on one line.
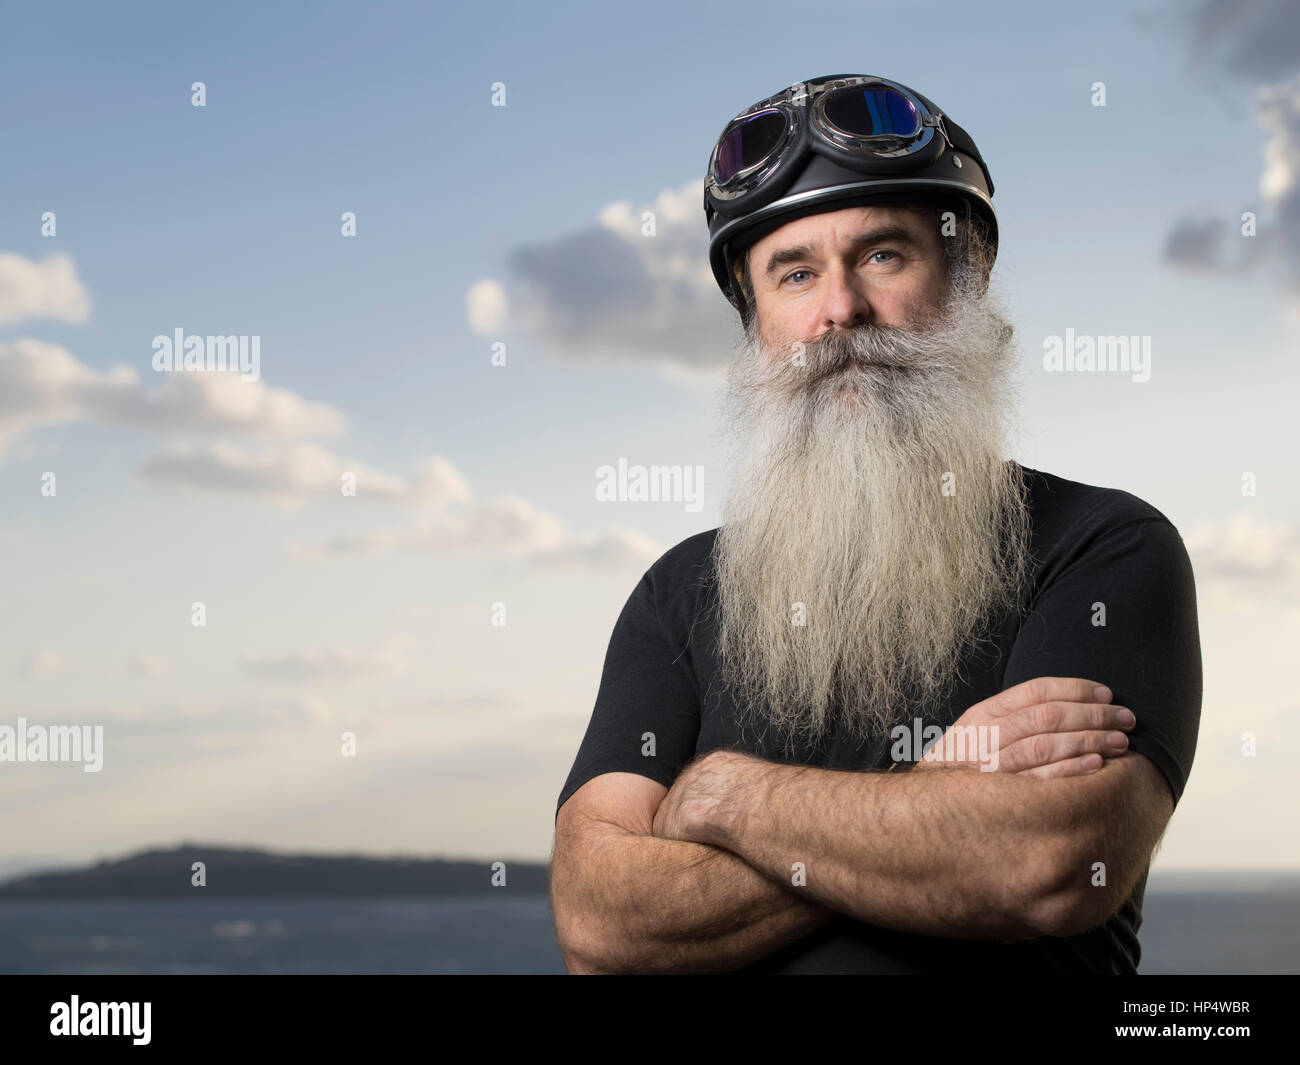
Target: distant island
[[250, 873]]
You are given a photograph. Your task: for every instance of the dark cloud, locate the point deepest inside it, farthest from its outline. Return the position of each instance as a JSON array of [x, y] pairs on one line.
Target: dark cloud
[[624, 291], [1196, 244], [584, 275], [1253, 40], [1256, 42]]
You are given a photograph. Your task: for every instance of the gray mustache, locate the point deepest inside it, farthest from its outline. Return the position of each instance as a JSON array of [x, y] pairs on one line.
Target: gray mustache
[[863, 348]]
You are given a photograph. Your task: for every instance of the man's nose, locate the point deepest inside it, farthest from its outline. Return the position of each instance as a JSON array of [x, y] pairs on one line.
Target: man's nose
[[844, 301]]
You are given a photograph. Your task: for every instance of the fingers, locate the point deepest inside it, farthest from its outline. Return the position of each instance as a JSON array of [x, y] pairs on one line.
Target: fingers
[[1057, 717], [1046, 690], [1051, 747], [1071, 767], [1067, 725]]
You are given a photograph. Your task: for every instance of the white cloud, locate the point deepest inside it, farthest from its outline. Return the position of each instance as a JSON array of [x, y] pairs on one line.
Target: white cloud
[[508, 523], [41, 663], [323, 664], [618, 548], [674, 207], [147, 665], [1279, 113], [1254, 555], [290, 474], [487, 304], [48, 289], [195, 719], [44, 384]]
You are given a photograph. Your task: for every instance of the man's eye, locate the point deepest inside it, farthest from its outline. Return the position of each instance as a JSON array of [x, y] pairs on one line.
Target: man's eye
[[794, 273], [884, 251]]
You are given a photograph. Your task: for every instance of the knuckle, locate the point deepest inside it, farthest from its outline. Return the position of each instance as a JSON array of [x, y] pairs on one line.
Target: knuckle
[[1010, 760], [1073, 743], [1047, 716], [1040, 749]]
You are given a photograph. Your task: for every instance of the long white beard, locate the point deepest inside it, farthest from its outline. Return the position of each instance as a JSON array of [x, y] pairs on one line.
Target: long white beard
[[874, 527]]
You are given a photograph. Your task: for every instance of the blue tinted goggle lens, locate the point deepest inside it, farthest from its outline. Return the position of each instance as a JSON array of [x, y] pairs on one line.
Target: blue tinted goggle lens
[[748, 143], [873, 112]]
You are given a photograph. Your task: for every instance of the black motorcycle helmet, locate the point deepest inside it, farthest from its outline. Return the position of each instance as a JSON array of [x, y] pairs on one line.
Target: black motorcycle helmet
[[837, 141]]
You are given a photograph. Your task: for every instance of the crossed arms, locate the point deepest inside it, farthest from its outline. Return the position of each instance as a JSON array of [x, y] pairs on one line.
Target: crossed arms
[[702, 877]]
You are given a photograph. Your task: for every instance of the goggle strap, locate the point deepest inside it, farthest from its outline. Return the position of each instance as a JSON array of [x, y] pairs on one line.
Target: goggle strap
[[962, 142]]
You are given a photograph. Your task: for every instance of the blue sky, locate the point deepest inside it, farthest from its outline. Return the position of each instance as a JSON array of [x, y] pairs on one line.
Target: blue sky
[[329, 614]]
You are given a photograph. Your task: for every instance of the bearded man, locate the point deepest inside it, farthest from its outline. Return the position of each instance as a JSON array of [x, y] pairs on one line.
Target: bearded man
[[751, 794]]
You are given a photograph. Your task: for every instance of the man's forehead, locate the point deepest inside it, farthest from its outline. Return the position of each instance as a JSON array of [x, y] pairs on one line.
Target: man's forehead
[[813, 229]]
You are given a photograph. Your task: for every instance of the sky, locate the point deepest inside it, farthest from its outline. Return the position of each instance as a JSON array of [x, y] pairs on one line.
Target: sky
[[497, 163]]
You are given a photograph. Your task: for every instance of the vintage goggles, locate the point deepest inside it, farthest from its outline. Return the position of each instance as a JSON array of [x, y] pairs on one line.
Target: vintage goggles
[[853, 120]]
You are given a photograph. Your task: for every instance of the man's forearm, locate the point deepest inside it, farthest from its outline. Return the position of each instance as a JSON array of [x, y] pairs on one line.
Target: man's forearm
[[944, 852], [625, 902]]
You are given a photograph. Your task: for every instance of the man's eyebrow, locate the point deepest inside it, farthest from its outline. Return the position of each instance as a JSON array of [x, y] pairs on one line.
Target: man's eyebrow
[[892, 232]]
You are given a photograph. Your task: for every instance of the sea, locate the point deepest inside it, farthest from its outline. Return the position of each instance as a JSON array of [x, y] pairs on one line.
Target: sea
[[1183, 932]]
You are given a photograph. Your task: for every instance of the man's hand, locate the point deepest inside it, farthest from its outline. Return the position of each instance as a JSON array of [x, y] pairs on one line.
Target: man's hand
[[1046, 727], [625, 901], [708, 792]]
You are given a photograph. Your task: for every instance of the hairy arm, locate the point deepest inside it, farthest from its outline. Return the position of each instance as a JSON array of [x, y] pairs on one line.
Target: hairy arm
[[946, 852], [625, 901]]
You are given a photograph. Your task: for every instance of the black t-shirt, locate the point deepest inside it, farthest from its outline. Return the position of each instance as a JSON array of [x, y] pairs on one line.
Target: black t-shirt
[[1090, 545]]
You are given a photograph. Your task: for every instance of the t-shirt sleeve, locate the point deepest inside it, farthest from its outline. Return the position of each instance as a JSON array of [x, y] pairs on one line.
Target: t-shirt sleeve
[[1123, 613], [647, 714]]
